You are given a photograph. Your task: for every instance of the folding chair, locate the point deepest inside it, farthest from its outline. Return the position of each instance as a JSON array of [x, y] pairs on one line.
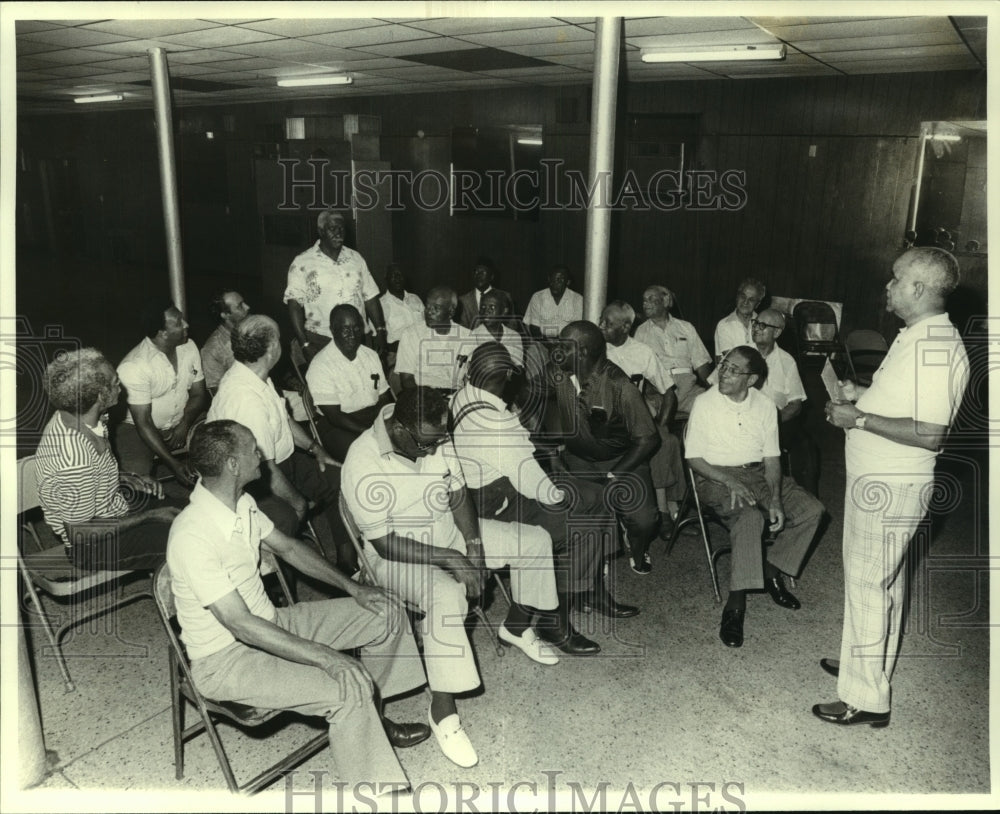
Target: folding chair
[[368, 574], [307, 399], [816, 328], [866, 349], [49, 570], [182, 688]]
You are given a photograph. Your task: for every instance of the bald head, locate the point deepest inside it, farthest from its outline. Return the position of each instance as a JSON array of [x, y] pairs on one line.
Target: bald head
[[490, 364]]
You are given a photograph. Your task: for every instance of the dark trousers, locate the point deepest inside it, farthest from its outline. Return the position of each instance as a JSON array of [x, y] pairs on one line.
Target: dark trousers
[[100, 545], [581, 529], [803, 454]]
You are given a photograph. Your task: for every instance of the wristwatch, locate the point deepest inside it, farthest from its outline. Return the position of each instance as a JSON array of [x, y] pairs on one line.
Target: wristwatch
[[860, 421]]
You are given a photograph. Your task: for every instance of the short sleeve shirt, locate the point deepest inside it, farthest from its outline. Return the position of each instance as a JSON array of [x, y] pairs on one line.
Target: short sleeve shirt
[[149, 378], [636, 358], [433, 359], [318, 284], [509, 338], [386, 492], [254, 403], [923, 377], [550, 316], [731, 333], [216, 356], [677, 345], [400, 314], [724, 432], [213, 551], [604, 416], [334, 379]]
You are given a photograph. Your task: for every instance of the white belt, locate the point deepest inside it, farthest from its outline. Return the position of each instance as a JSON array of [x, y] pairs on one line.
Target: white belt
[[675, 370]]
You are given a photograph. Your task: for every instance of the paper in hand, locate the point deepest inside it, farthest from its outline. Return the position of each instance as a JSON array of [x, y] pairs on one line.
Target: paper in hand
[[832, 384]]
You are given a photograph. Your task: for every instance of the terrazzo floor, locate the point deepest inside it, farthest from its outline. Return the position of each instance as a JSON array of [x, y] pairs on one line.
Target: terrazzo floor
[[665, 717]]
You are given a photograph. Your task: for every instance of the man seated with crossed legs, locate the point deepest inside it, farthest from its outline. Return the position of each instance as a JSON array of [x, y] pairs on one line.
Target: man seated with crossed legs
[[405, 488], [732, 446]]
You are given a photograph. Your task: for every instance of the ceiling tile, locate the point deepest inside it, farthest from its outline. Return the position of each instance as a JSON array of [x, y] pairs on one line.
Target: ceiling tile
[[74, 56], [75, 70], [429, 45], [970, 22], [304, 28], [220, 37], [547, 49], [684, 25], [293, 70], [119, 77], [129, 47], [196, 56], [752, 36], [861, 28], [878, 43], [70, 37], [244, 64], [29, 26], [126, 64], [457, 26], [374, 35], [149, 29], [906, 65], [369, 64], [529, 36], [915, 52]]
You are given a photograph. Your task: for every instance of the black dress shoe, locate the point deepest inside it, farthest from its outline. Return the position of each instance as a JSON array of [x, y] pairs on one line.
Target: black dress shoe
[[603, 602], [846, 715], [832, 666], [573, 644], [775, 586], [731, 629], [404, 735]]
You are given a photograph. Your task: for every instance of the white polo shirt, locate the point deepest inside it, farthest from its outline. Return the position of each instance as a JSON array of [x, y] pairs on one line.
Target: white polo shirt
[[433, 359], [728, 433], [386, 492], [334, 379], [509, 338], [731, 333], [213, 551], [149, 377], [400, 314], [244, 397], [634, 358], [677, 345], [550, 316]]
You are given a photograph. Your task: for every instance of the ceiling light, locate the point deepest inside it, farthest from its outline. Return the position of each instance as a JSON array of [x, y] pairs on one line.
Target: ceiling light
[[944, 137], [308, 81], [732, 54], [107, 97], [535, 142]]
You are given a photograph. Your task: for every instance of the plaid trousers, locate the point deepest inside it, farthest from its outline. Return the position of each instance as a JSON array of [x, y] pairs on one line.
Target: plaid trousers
[[881, 514]]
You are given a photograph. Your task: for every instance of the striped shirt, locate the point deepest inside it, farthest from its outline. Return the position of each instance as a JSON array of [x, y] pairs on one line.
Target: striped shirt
[[75, 482]]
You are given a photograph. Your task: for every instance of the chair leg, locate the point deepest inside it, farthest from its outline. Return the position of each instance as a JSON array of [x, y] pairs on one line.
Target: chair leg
[[177, 717], [711, 557], [682, 522], [53, 639], [220, 753]]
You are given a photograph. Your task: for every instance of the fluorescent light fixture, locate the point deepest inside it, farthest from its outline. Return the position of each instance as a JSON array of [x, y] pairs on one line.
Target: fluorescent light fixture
[[535, 142], [944, 137], [309, 81], [107, 97], [737, 53]]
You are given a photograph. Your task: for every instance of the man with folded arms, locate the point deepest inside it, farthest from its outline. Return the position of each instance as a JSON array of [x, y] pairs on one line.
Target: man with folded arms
[[243, 649], [425, 543], [732, 445], [347, 382], [506, 483]]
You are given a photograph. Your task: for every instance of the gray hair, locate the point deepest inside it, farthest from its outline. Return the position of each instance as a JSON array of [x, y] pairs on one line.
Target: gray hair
[[75, 380], [253, 336], [618, 306], [938, 269]]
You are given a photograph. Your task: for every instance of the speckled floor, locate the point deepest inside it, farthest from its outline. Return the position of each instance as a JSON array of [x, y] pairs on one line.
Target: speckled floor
[[666, 717]]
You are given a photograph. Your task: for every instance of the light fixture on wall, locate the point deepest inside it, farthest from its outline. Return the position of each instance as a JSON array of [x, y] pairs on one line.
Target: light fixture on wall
[[738, 53], [309, 81], [107, 97], [944, 137], [530, 141]]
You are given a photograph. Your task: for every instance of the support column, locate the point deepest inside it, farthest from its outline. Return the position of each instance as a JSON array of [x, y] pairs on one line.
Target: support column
[[602, 142], [168, 174]]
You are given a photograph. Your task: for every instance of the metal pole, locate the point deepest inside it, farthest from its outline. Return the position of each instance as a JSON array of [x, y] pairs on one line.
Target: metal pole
[[920, 178], [602, 142], [168, 174]]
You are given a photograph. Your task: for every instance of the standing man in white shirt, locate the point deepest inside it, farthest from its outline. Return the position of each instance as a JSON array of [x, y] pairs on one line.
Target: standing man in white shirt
[[166, 394], [732, 446], [553, 308], [402, 309], [434, 353], [735, 330], [326, 275], [676, 344], [894, 434], [347, 383]]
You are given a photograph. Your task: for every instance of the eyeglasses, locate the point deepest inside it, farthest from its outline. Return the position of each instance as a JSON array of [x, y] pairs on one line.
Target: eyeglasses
[[729, 369], [756, 323], [425, 446]]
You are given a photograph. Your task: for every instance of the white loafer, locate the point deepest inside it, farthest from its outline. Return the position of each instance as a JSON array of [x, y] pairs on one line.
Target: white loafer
[[453, 741], [529, 644]]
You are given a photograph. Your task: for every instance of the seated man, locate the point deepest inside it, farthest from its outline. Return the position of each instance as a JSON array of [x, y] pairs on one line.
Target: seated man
[[244, 649], [552, 308], [496, 325], [107, 519], [732, 445], [347, 382], [434, 353], [247, 395], [641, 366], [230, 309], [608, 432], [735, 329], [402, 309], [426, 544], [166, 394], [784, 387], [676, 344], [470, 303], [506, 483]]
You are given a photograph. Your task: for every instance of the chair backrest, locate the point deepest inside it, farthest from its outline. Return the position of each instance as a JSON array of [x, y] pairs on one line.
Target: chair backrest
[[865, 339], [816, 321], [356, 539], [27, 484]]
